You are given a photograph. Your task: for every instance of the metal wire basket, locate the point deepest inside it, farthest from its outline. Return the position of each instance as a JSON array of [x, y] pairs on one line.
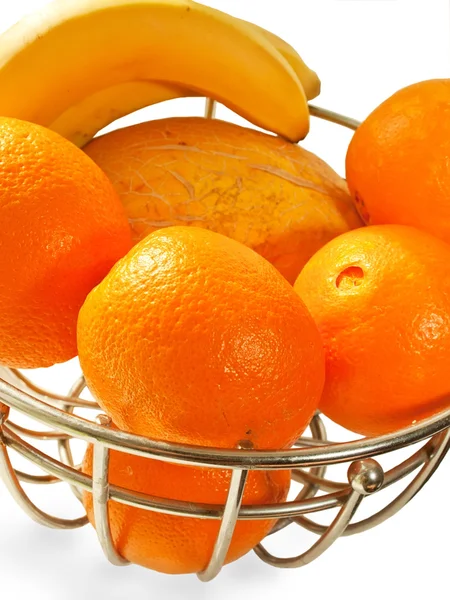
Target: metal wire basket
[[308, 461]]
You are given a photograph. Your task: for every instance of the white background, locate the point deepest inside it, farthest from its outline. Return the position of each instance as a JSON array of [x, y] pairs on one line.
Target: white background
[[363, 51]]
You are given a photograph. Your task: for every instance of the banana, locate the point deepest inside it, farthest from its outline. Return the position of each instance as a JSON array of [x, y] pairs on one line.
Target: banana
[[82, 121], [72, 50], [308, 78]]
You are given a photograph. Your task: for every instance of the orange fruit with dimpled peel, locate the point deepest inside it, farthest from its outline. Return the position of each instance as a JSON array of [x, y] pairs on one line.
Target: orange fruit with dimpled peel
[[62, 229], [397, 163], [193, 337], [380, 297], [174, 544]]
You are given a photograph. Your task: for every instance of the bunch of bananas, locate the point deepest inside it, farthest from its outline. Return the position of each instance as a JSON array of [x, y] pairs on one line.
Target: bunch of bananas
[[78, 65]]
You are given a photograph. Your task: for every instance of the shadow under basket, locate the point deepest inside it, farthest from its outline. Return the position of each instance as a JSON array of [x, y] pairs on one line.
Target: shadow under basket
[[308, 461]]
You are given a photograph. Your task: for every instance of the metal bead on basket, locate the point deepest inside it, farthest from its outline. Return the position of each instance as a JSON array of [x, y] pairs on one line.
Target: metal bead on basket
[[316, 453]]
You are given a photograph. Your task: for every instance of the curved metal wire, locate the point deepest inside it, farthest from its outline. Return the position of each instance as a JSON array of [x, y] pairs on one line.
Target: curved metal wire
[[217, 458], [333, 117], [430, 462], [39, 435], [174, 507], [366, 477], [306, 442], [210, 108], [36, 479], [227, 525], [392, 476], [10, 479], [319, 433], [19, 379], [310, 488], [288, 509], [331, 534], [64, 449], [100, 495]]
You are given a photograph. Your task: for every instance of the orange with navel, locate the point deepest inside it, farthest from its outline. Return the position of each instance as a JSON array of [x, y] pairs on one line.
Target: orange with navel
[[174, 544], [271, 195], [194, 338], [397, 163], [62, 228], [380, 296]]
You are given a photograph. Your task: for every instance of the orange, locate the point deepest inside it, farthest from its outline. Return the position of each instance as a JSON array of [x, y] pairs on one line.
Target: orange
[[381, 298], [397, 163], [193, 337], [273, 196], [173, 544], [62, 228]]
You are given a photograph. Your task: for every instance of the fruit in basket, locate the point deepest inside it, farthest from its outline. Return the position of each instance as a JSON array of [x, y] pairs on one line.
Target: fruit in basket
[[381, 298], [397, 163], [62, 228], [61, 56], [174, 544], [266, 193], [194, 338]]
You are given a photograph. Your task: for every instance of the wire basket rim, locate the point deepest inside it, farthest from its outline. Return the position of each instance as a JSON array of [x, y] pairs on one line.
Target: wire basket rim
[[217, 457]]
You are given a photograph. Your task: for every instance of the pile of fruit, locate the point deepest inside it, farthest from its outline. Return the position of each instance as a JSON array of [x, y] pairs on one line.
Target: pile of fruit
[[219, 284]]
